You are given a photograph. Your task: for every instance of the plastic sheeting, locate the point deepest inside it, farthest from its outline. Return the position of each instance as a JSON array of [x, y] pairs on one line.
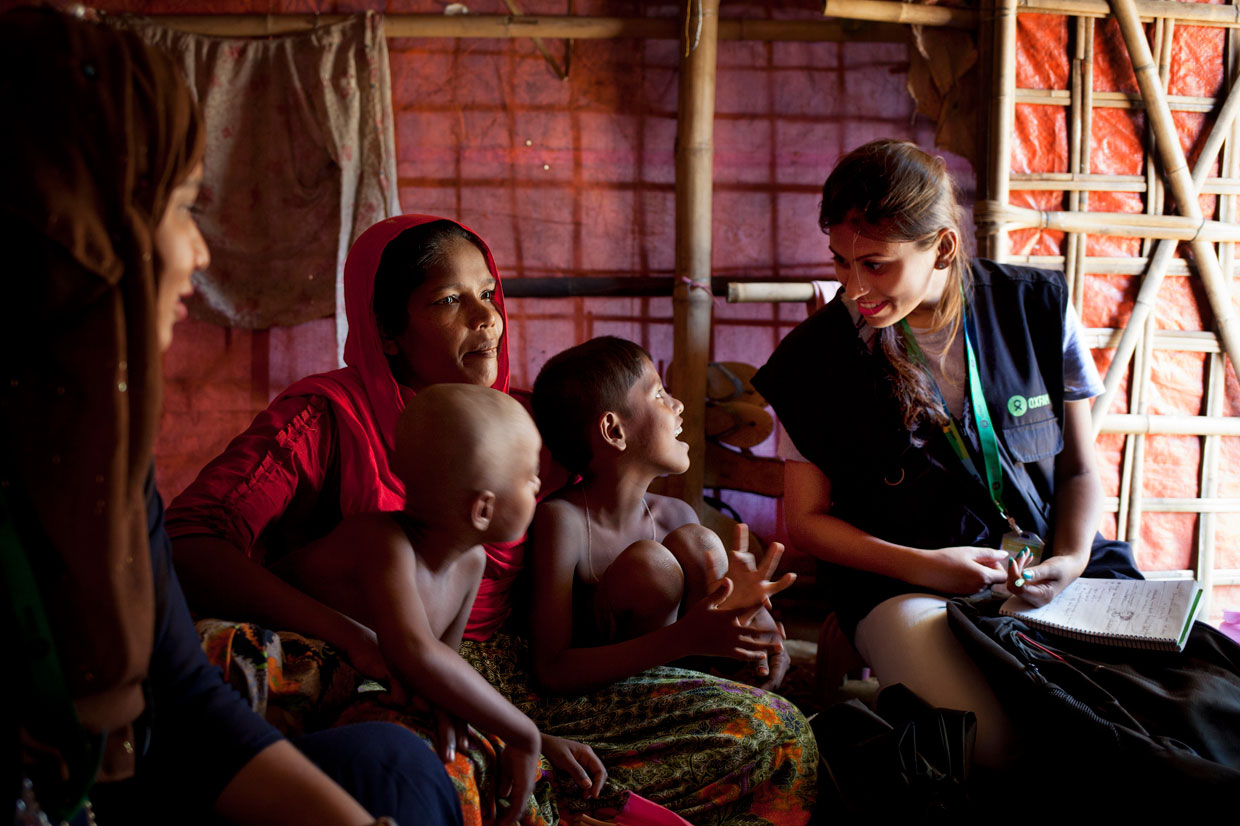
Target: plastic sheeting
[[577, 178], [1172, 464]]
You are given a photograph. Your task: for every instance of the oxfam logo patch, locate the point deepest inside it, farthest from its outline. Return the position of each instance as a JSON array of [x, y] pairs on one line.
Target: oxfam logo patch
[[1019, 405]]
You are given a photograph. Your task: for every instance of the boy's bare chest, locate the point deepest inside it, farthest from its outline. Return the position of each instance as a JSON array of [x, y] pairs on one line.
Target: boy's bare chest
[[604, 545], [444, 591]]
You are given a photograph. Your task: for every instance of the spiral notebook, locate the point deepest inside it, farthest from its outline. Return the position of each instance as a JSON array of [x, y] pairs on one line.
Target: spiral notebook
[[1132, 613]]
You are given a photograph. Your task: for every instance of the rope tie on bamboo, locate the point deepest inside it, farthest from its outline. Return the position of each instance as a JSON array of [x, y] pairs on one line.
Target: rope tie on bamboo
[[1201, 225], [698, 285]]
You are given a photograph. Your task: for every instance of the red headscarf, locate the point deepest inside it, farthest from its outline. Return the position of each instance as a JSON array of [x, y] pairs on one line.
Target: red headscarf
[[366, 400]]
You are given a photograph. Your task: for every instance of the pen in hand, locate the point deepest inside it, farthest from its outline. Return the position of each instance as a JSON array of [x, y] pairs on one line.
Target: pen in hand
[[1017, 565]]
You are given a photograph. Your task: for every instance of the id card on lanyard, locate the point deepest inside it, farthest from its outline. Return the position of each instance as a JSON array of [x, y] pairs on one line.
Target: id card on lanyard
[[1015, 541]]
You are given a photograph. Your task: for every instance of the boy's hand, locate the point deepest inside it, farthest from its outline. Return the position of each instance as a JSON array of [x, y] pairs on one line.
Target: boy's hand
[[714, 631], [578, 760], [777, 663], [751, 580], [518, 773], [453, 734], [361, 648]]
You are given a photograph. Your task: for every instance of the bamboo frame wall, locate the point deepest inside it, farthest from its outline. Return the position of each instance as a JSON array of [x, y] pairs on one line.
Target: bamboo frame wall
[[995, 215], [692, 289], [1216, 268]]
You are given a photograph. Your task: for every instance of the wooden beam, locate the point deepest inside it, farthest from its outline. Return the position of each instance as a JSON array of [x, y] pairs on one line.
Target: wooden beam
[[507, 26], [1196, 14], [1173, 425], [914, 14], [992, 233], [1151, 282], [692, 299], [729, 469], [926, 14], [1178, 178], [1193, 229]]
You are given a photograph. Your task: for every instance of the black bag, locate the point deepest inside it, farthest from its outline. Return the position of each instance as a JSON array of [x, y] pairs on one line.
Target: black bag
[[1158, 730], [906, 760]]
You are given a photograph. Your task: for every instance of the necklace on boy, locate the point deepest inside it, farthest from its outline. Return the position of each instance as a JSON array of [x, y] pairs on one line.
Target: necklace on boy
[[589, 560]]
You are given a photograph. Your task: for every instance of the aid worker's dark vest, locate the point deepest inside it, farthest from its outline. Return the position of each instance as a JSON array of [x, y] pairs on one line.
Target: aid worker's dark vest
[[834, 397]]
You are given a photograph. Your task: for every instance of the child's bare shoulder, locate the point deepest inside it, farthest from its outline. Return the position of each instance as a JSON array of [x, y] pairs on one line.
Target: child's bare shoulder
[[670, 512], [375, 531], [559, 523], [560, 505]]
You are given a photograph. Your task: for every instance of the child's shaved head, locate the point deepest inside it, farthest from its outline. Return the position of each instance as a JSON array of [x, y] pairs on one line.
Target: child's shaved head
[[455, 440]]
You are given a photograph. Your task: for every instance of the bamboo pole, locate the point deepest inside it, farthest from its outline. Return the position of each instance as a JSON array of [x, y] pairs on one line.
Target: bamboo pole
[[1141, 370], [1152, 282], [1153, 504], [915, 14], [501, 26], [1223, 576], [561, 73], [1077, 145], [1124, 224], [1124, 506], [1133, 423], [1114, 100], [992, 234], [1179, 180], [1206, 526], [691, 301], [1216, 388], [1087, 140], [922, 14], [1133, 465], [1189, 341], [1105, 265], [1088, 182], [1192, 13], [754, 291]]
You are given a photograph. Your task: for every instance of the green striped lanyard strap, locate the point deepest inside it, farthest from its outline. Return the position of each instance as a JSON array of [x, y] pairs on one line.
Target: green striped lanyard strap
[[981, 416]]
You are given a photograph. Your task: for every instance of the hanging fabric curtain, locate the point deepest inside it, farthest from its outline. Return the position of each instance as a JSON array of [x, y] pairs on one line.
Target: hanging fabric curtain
[[301, 158]]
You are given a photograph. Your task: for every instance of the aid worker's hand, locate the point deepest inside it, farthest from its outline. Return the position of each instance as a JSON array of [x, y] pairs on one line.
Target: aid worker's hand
[[1039, 584], [960, 570]]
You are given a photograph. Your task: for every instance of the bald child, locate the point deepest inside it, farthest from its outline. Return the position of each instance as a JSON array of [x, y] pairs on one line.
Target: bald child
[[468, 456]]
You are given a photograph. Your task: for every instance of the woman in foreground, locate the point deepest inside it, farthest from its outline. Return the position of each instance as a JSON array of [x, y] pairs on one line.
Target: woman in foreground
[[112, 709]]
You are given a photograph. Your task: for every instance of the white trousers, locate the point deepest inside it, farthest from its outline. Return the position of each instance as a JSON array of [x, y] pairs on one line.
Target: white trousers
[[906, 639]]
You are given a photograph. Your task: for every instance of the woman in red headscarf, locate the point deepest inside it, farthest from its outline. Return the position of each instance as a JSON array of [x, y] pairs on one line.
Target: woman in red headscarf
[[423, 308], [321, 450]]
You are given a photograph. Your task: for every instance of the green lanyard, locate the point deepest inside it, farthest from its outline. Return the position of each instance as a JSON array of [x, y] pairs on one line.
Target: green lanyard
[[981, 416]]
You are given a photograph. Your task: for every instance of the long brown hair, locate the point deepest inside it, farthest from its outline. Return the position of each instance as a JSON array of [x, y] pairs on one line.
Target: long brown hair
[[901, 193], [103, 129]]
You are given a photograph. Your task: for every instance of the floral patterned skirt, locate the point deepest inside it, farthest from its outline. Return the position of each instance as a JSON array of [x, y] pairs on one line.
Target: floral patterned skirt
[[714, 751]]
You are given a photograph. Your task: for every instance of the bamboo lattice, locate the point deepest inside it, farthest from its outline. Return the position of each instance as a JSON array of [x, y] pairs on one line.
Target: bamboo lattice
[[1166, 179]]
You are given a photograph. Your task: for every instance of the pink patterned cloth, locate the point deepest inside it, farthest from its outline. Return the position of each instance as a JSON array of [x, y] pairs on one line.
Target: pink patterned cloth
[[301, 159]]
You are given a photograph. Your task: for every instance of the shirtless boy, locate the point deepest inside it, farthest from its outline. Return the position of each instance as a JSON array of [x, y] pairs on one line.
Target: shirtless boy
[[468, 456], [625, 579]]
